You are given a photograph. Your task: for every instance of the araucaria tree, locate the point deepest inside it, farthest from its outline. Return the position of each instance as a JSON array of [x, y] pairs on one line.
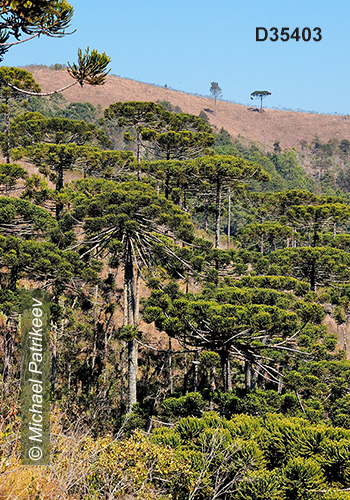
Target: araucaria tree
[[136, 115], [224, 171], [260, 94], [161, 133], [129, 223]]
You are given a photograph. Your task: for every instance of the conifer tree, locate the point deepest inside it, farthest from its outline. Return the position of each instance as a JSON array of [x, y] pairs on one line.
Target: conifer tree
[[221, 171], [131, 224]]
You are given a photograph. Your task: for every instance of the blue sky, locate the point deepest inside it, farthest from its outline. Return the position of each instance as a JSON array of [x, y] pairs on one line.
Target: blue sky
[[187, 44]]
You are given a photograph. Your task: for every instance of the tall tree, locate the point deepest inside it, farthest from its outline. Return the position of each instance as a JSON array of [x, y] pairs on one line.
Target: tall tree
[[216, 92], [314, 219], [135, 114], [131, 223], [180, 145], [267, 232], [221, 170], [29, 129], [320, 266], [179, 136]]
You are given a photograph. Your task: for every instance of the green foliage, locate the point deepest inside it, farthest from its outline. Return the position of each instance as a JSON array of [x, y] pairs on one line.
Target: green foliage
[[54, 159], [302, 475], [29, 129], [340, 412], [91, 68], [289, 457], [33, 18], [9, 175], [17, 77], [250, 320], [185, 406]]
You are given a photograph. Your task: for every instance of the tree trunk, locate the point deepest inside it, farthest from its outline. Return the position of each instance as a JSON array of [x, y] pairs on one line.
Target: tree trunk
[[7, 131], [123, 379], [170, 366], [129, 287], [185, 369], [212, 386], [8, 347], [255, 377], [226, 368], [132, 373], [280, 386], [138, 155], [54, 361], [212, 378], [195, 371], [167, 181], [13, 279], [129, 319], [59, 186], [218, 212], [248, 373], [206, 215], [313, 277], [94, 352], [137, 303], [229, 218], [59, 172]]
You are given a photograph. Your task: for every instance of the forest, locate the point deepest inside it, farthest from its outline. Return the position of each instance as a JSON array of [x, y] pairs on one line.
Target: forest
[[199, 290]]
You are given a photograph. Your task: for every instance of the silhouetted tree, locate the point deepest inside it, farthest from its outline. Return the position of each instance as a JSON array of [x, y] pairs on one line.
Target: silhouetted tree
[[260, 94], [216, 92]]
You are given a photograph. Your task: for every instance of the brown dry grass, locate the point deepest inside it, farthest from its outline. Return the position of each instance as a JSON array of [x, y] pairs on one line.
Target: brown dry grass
[[288, 127]]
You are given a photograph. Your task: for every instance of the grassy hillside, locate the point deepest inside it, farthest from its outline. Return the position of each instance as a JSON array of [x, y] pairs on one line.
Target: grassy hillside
[[287, 127]]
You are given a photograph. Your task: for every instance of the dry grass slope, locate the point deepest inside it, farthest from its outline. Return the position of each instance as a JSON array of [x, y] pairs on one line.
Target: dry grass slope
[[288, 127]]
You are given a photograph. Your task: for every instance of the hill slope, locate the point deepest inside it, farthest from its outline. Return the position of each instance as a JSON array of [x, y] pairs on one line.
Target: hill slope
[[287, 127]]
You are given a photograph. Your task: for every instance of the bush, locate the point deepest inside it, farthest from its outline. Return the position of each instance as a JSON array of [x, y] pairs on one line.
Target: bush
[[190, 405]]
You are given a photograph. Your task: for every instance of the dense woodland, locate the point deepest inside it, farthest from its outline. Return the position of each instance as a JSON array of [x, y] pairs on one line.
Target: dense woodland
[[200, 290]]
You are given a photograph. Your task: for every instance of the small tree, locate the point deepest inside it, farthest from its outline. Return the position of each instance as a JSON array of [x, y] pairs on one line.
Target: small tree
[[9, 174], [216, 92], [260, 94]]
